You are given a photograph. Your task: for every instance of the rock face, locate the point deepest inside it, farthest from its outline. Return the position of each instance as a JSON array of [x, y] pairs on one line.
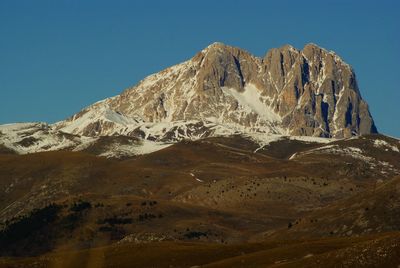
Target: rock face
[[222, 89]]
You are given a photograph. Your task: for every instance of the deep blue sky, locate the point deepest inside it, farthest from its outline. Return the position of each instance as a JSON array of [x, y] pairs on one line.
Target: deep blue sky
[[56, 57]]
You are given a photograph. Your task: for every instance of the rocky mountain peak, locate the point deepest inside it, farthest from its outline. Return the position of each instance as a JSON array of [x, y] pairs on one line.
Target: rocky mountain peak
[[308, 92]]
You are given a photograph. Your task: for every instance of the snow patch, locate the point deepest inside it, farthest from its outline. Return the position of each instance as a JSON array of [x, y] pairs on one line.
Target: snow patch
[[27, 138], [264, 139], [144, 147], [194, 176], [385, 144], [354, 152], [250, 101]]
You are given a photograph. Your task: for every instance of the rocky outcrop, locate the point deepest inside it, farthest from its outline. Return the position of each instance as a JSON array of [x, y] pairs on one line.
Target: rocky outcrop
[[310, 92]]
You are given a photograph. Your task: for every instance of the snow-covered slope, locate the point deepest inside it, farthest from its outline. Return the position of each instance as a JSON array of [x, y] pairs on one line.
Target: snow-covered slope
[[24, 138], [37, 137]]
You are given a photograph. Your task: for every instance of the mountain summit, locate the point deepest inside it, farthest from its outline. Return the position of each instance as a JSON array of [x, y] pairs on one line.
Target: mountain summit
[[224, 89]]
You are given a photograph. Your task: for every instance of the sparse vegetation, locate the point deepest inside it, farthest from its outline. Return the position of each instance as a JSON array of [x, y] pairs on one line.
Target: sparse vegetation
[[146, 216], [194, 234], [99, 205], [115, 220], [80, 206]]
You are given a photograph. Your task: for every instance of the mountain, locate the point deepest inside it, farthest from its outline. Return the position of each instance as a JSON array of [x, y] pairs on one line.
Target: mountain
[[221, 91], [309, 92]]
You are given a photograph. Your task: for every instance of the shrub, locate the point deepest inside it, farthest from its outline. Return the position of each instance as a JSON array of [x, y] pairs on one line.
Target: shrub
[[146, 216], [80, 206], [194, 234], [116, 220]]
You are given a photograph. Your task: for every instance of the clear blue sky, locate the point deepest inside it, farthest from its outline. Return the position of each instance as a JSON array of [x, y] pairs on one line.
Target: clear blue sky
[[56, 57]]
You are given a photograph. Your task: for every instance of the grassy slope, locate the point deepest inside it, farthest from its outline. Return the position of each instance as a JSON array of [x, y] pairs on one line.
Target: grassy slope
[[262, 199]]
